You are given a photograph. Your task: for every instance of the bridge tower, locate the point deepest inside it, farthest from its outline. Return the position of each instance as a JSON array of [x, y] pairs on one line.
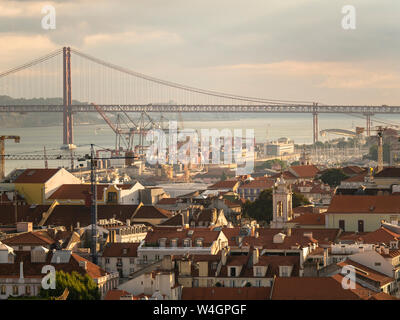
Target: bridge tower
[[67, 101], [315, 123]]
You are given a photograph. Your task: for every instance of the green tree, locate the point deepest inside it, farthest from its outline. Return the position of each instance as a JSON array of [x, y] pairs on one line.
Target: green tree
[[269, 163], [299, 200], [333, 177], [261, 208], [373, 153], [223, 176], [80, 287]]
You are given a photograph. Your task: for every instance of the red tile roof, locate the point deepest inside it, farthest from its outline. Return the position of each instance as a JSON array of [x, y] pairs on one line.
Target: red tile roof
[[389, 172], [223, 293], [368, 273], [120, 250], [116, 294], [167, 201], [305, 171], [310, 288], [364, 204], [310, 219], [152, 212], [226, 184], [36, 175], [77, 191], [35, 238], [258, 184]]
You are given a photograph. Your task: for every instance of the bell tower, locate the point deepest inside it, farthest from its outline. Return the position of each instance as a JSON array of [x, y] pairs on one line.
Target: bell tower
[[282, 203]]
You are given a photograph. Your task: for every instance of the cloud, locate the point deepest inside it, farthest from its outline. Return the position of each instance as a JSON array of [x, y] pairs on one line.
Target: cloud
[[21, 49], [131, 37], [343, 75]]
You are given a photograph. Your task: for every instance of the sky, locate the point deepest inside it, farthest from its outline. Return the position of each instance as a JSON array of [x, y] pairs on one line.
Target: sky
[[273, 49]]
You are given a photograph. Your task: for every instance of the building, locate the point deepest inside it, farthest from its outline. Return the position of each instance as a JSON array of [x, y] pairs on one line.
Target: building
[[250, 190], [178, 241], [21, 271], [119, 257], [281, 147], [36, 185], [362, 213], [106, 194], [282, 204]]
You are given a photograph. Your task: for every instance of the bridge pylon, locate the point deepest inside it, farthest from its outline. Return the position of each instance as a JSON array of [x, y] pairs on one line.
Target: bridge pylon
[[68, 140], [315, 123]]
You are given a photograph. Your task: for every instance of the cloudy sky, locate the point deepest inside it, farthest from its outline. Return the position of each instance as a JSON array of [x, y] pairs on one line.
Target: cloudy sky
[[291, 49]]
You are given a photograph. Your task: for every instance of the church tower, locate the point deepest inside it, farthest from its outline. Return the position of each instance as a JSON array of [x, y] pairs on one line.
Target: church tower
[[282, 204], [305, 158]]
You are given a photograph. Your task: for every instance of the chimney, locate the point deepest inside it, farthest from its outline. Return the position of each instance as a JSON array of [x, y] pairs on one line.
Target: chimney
[[256, 255], [166, 263], [78, 225], [83, 264], [253, 230], [289, 232], [128, 222], [257, 234]]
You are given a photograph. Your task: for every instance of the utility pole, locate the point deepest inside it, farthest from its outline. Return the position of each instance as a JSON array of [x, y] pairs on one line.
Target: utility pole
[[93, 211], [46, 164], [380, 149]]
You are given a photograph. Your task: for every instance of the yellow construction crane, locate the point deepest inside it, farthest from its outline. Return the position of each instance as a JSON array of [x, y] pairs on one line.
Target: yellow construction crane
[[2, 153]]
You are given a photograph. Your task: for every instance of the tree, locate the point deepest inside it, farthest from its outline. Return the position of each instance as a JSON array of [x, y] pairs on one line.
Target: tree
[[269, 163], [373, 153], [299, 200], [333, 177], [261, 208], [223, 176], [80, 287]]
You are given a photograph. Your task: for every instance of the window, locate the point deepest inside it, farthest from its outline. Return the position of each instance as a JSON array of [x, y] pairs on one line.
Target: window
[[112, 197], [131, 260], [377, 264], [258, 283], [119, 261], [107, 260], [279, 208], [199, 242], [258, 271], [232, 283], [360, 225], [232, 272], [174, 242], [157, 257], [131, 270], [15, 290], [341, 225], [162, 242], [28, 290], [145, 258], [20, 248], [3, 289], [214, 265]]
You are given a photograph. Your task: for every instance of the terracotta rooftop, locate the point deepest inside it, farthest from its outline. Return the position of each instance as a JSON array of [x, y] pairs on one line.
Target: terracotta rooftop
[[353, 170], [388, 172], [310, 219], [152, 212], [364, 204], [224, 293], [35, 175], [368, 273], [120, 250], [357, 178], [77, 191], [310, 288], [176, 220], [167, 201], [35, 238], [226, 184], [116, 294], [258, 184], [304, 171]]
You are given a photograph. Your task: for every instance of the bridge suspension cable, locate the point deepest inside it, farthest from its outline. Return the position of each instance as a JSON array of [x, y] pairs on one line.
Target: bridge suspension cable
[[187, 88]]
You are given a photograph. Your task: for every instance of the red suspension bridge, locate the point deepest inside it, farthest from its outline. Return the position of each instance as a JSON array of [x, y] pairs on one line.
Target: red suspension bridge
[[46, 85]]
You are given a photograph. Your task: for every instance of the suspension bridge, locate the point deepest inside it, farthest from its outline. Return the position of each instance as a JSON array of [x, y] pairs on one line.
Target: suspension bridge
[[46, 85]]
